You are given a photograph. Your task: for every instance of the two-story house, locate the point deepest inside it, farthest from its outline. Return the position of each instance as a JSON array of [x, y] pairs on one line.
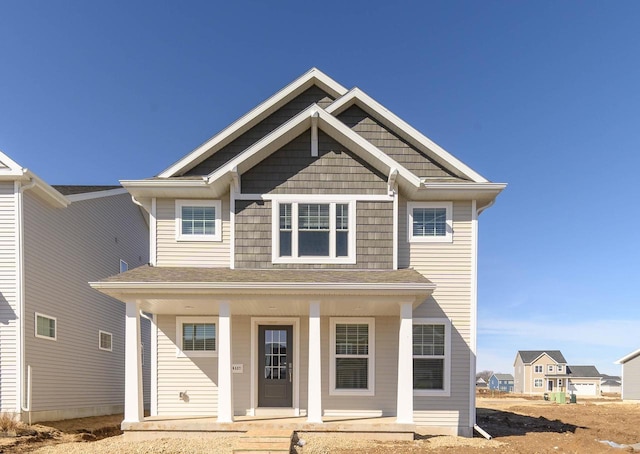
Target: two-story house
[[539, 372], [315, 259], [61, 342]]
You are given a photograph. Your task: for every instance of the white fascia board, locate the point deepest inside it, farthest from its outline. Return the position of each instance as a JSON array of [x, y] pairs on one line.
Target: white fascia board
[[126, 291], [95, 195], [630, 356], [402, 128], [312, 77], [358, 144], [12, 167], [171, 187], [47, 192]]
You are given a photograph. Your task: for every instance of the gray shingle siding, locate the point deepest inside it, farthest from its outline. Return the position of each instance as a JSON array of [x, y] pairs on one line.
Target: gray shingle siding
[[286, 112], [397, 148], [374, 237], [292, 169]]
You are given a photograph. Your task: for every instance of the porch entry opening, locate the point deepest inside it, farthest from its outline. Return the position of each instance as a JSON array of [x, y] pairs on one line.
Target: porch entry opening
[[275, 365], [550, 385]]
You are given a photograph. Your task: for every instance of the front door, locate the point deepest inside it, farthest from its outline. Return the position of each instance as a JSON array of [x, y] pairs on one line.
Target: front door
[[275, 365]]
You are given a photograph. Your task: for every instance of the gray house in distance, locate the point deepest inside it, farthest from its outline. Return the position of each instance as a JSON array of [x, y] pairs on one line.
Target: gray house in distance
[[630, 375], [61, 342]]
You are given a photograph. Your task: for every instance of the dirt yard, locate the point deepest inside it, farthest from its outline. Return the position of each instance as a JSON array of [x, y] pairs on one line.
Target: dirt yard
[[517, 425]]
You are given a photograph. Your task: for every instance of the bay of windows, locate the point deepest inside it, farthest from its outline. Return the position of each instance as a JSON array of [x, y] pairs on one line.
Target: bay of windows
[[314, 232]]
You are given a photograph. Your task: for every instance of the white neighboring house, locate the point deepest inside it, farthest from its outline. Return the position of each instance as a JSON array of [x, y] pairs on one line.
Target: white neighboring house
[[316, 258], [62, 343], [630, 375]]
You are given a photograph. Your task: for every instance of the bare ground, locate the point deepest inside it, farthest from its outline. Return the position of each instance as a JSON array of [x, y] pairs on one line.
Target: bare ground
[[517, 425]]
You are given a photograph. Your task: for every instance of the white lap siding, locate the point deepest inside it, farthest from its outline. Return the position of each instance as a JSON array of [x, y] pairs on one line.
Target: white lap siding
[[65, 248], [8, 302], [198, 377], [449, 266], [171, 252]]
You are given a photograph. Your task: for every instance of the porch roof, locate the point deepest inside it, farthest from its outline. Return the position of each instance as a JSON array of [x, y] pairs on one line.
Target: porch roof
[[158, 289]]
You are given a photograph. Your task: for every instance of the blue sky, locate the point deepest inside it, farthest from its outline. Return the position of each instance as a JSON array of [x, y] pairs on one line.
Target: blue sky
[[542, 95]]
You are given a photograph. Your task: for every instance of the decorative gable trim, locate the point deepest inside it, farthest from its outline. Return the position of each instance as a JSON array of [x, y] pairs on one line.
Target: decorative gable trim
[[312, 77], [329, 125], [404, 130]]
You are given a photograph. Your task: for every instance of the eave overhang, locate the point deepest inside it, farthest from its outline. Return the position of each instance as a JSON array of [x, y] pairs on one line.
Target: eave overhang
[[483, 193]]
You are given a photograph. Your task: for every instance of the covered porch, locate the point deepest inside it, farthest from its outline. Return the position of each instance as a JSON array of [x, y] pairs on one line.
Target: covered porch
[[247, 304]]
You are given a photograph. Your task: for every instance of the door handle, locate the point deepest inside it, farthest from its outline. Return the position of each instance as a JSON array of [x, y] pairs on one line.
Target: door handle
[[290, 371]]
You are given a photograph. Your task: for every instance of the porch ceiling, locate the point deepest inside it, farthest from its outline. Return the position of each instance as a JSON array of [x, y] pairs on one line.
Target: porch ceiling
[[198, 291]]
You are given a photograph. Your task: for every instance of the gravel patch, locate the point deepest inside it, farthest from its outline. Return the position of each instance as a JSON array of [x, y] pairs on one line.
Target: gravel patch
[[221, 445]]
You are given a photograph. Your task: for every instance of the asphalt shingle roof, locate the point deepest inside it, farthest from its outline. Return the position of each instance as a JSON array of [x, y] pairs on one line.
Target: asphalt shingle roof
[[529, 356], [76, 189], [179, 274], [584, 371], [504, 376]]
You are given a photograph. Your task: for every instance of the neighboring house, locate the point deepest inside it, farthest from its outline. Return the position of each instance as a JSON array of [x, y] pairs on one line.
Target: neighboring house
[[539, 372], [62, 343], [584, 380], [611, 384], [315, 258], [481, 383], [501, 382], [630, 375]]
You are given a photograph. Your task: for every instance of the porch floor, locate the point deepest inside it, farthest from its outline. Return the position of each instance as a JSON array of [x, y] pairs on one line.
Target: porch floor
[[381, 428]]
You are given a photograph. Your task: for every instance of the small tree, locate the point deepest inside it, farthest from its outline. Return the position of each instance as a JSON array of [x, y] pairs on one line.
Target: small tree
[[485, 375]]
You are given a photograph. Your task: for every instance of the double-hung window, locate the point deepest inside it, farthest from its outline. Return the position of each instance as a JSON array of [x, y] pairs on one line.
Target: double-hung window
[[352, 346], [537, 383], [46, 327], [537, 369], [198, 220], [431, 356], [430, 222], [196, 336], [313, 232]]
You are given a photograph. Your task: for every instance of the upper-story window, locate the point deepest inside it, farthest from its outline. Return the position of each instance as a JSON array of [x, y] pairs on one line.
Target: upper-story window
[[430, 221], [198, 220], [550, 368], [537, 369], [313, 232], [560, 368]]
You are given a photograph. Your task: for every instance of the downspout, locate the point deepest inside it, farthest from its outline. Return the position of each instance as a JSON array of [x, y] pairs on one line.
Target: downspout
[[21, 299], [476, 212]]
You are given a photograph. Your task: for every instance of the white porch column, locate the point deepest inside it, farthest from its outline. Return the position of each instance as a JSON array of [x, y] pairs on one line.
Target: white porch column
[[225, 379], [314, 390], [405, 366], [133, 408]]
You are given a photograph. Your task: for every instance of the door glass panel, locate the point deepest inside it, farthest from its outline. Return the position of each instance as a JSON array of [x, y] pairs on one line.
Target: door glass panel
[[275, 354]]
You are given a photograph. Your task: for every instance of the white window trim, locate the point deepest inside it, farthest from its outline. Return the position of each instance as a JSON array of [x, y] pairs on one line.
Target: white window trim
[[560, 367], [538, 380], [217, 204], [550, 368], [370, 391], [181, 321], [331, 259], [447, 238], [35, 326], [100, 333], [446, 391], [535, 369]]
